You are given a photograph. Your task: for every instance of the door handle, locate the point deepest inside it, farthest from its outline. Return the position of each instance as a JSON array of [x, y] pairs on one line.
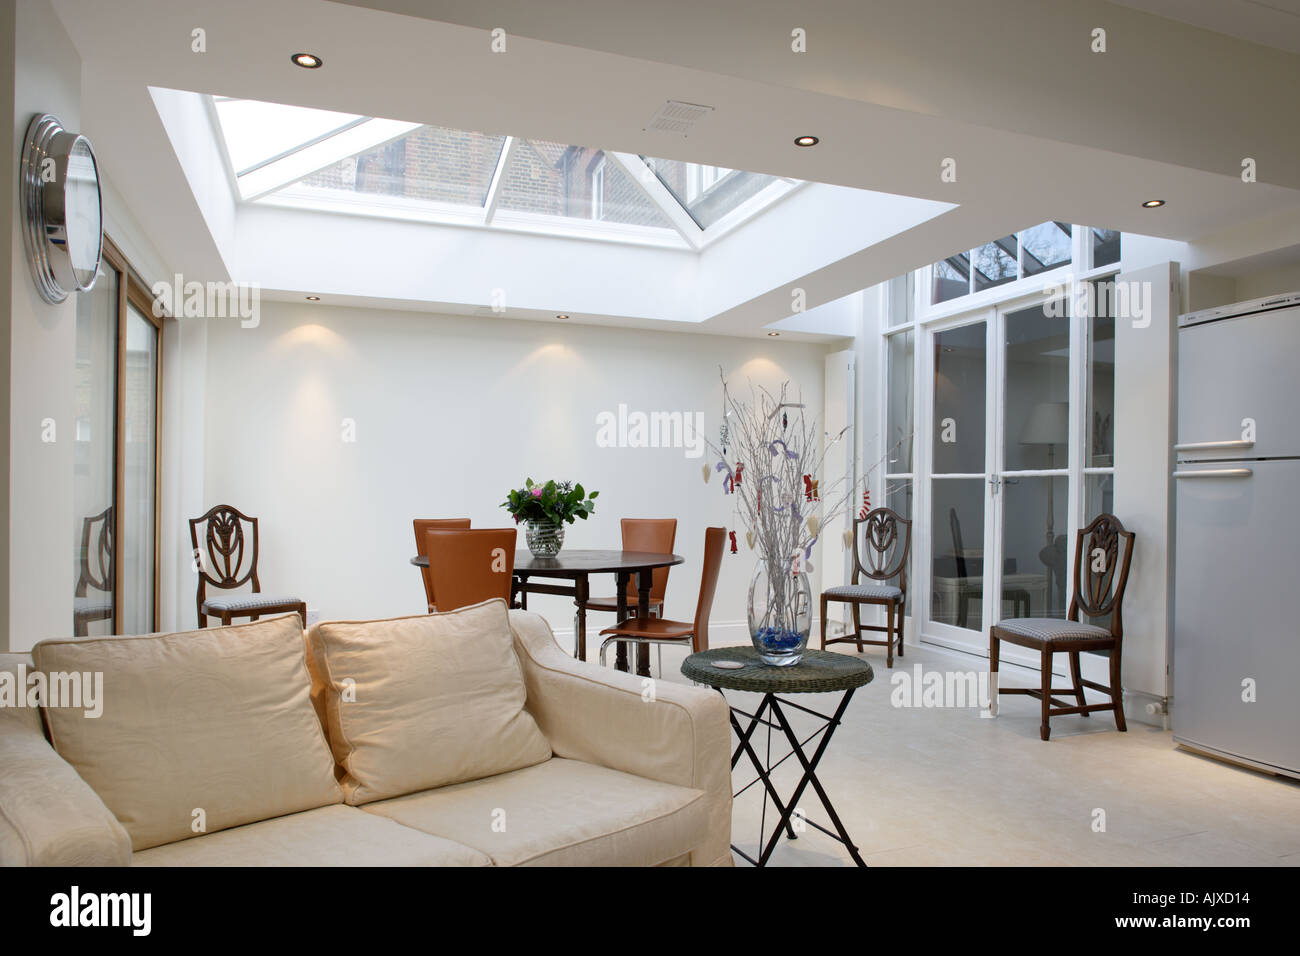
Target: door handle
[[1216, 473], [1214, 445]]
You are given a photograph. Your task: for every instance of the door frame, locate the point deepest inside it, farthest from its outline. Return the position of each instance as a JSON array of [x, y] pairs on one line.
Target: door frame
[[994, 316], [928, 630]]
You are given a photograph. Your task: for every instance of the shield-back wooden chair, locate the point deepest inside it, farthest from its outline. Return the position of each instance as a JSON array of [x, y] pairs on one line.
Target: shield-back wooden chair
[[422, 527], [1103, 552], [227, 559], [884, 538], [96, 573]]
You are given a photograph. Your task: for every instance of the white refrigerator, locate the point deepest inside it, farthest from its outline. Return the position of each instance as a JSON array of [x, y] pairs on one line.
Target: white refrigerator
[[1236, 659]]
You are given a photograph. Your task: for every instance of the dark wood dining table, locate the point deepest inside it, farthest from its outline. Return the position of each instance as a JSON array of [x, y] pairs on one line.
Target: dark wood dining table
[[577, 566]]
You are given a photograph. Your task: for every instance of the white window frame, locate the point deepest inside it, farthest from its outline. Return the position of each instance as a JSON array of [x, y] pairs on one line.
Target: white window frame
[[598, 190], [990, 305]]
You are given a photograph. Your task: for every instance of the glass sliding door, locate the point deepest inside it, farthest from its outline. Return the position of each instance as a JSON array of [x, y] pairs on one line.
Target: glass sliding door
[[94, 481], [958, 475], [115, 463], [138, 440], [1034, 469]]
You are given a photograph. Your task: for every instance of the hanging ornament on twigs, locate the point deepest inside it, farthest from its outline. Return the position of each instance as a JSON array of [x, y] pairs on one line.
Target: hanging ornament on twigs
[[727, 482], [866, 504], [734, 548], [749, 539], [740, 468], [813, 526], [707, 471], [810, 491]]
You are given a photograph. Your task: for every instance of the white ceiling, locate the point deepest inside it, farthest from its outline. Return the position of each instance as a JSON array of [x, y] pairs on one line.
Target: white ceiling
[[1041, 127], [1274, 23]]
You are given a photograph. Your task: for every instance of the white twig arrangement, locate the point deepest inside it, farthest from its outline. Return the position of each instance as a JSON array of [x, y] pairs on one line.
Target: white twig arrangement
[[771, 456]]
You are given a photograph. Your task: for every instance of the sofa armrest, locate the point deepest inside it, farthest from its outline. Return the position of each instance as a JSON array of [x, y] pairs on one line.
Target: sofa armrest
[[667, 732], [49, 816]]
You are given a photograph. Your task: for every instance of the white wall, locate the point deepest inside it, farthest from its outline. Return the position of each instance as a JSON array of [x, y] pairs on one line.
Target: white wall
[[1146, 368], [450, 412], [46, 79]]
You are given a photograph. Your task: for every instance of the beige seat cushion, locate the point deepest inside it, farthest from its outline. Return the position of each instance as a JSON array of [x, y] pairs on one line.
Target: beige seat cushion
[[329, 836], [414, 703], [561, 813], [218, 720]]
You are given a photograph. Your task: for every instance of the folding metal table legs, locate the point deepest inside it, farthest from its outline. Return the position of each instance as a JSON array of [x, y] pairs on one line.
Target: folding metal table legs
[[772, 704]]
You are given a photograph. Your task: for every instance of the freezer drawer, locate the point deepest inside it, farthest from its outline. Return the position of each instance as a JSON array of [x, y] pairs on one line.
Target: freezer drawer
[[1237, 369], [1237, 610]]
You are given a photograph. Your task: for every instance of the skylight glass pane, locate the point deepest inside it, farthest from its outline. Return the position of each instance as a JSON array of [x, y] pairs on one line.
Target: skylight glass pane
[[1105, 247], [1047, 246], [256, 132], [431, 163], [575, 182], [995, 263], [951, 278], [707, 193]]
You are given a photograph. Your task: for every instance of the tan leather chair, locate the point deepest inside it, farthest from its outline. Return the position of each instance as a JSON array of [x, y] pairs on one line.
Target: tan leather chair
[[639, 534], [655, 630], [471, 566], [422, 526]]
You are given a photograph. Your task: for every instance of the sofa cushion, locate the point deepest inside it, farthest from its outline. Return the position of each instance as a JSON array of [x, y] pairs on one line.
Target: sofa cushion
[[561, 813], [328, 836], [48, 815], [15, 683], [419, 702], [218, 720]]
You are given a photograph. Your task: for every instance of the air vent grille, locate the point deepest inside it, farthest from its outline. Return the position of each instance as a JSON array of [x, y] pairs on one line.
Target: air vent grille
[[678, 118]]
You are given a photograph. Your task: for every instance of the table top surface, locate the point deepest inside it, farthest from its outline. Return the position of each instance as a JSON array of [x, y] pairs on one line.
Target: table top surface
[[818, 672], [571, 563]]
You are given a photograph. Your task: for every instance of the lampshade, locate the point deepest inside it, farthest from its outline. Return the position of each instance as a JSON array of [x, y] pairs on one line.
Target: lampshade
[[1048, 424]]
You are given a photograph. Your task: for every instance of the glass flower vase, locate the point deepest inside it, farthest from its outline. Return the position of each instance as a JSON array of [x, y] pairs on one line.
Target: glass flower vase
[[780, 612], [545, 538]]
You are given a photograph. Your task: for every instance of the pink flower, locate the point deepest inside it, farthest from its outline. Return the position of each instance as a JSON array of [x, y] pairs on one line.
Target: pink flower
[[537, 492]]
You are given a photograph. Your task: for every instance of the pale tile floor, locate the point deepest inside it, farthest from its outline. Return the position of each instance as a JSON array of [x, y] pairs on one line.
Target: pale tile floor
[[945, 787]]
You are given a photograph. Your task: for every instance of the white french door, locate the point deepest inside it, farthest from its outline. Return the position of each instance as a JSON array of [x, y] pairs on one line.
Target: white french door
[[997, 389]]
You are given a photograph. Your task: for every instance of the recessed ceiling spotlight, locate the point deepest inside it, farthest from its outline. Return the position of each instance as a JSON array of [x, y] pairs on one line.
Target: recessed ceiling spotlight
[[308, 61], [806, 140], [313, 298], [562, 315], [1153, 204], [772, 335]]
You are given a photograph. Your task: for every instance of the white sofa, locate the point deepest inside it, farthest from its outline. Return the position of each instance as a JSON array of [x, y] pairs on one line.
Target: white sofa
[[460, 739]]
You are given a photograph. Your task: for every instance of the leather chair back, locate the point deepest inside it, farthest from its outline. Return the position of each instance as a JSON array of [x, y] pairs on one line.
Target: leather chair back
[[715, 540], [423, 525], [650, 534], [471, 566]]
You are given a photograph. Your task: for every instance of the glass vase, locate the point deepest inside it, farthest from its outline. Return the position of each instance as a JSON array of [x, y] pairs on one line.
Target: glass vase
[[545, 538], [780, 612]]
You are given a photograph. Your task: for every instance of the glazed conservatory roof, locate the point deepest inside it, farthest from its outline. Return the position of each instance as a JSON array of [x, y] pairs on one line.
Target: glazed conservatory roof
[[319, 159]]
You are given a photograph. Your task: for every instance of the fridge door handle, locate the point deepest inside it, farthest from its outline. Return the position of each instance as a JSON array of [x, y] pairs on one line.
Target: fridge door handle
[[1236, 444], [1216, 473]]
